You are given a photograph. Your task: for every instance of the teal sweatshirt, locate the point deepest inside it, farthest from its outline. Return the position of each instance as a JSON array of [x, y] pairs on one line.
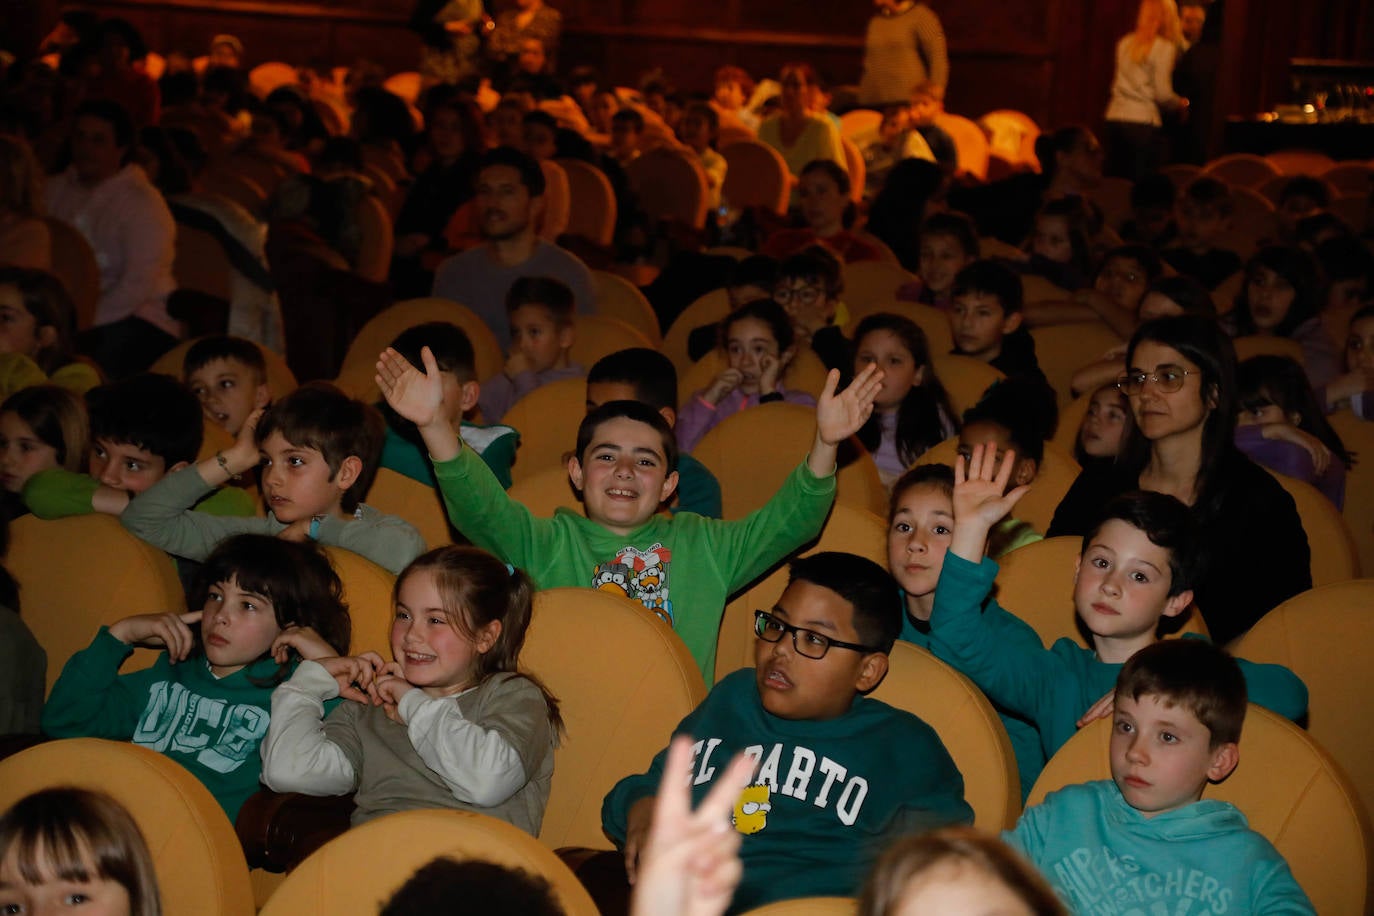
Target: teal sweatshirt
[[1103, 856], [1025, 739], [160, 515], [212, 726], [58, 493], [1051, 687], [682, 567], [496, 445], [839, 789]]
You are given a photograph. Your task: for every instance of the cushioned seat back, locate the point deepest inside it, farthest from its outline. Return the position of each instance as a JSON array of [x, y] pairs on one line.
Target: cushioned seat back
[[200, 867], [1035, 583], [870, 282], [77, 574], [756, 176], [553, 222], [1061, 350], [596, 336], [418, 503], [1334, 556], [623, 681], [592, 206], [74, 263], [547, 419], [1326, 636], [932, 322], [544, 491], [354, 874], [367, 590], [620, 299], [709, 308], [670, 185], [1057, 473], [808, 906], [1241, 170], [965, 379], [1288, 788]]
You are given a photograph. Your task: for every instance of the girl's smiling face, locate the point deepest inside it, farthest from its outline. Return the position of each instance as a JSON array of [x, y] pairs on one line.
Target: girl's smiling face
[[433, 655]]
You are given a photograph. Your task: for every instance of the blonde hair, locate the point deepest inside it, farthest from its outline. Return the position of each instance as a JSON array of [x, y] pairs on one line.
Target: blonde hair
[[21, 180], [1167, 27]]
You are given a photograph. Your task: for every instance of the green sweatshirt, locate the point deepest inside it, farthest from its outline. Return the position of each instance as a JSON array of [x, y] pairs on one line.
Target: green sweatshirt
[[160, 516], [833, 792], [683, 567], [58, 493], [496, 445], [1051, 687], [212, 726]]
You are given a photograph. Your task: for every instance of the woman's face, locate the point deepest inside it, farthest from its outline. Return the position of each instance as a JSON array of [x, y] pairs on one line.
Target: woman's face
[[1104, 424], [822, 202], [1161, 414], [1270, 297], [1123, 281]]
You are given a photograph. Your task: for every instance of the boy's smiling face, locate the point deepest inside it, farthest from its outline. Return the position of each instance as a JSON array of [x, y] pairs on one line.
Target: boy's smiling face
[[228, 391], [792, 686], [297, 482], [126, 466], [1162, 755], [623, 475]]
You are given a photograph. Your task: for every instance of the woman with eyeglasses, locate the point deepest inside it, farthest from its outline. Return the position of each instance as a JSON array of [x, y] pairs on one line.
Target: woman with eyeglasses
[[1180, 379]]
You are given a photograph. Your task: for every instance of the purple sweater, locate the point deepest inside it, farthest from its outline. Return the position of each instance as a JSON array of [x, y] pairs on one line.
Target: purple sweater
[[697, 417], [1292, 460], [501, 391]]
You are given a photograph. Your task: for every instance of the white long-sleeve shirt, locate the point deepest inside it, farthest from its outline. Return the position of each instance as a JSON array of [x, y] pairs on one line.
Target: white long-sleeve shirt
[[128, 225], [1141, 88]]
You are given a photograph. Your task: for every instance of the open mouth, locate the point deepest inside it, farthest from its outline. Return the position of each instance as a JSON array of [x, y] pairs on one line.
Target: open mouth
[[621, 493], [418, 658], [776, 679]]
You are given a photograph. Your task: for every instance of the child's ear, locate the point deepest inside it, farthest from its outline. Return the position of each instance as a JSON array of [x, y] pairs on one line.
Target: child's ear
[[919, 378], [176, 467], [261, 396], [575, 472], [668, 414], [1077, 565], [468, 393], [47, 336], [1026, 469], [669, 485], [1224, 760], [487, 636], [1178, 603], [871, 671], [566, 336], [1011, 323], [349, 471]]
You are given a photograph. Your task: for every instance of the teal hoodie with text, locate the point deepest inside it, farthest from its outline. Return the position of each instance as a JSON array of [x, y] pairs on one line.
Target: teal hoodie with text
[[1104, 857]]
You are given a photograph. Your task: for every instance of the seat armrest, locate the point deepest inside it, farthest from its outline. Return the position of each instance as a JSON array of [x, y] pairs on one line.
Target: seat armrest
[[279, 829]]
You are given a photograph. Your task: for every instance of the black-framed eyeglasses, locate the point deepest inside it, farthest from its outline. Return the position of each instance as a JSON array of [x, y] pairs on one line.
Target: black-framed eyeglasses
[[1167, 378], [803, 295], [807, 642]]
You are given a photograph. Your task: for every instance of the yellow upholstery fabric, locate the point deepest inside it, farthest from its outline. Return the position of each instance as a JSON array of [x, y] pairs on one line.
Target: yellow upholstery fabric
[[623, 680], [847, 528], [1063, 349], [1258, 345], [374, 249], [547, 419], [420, 504], [749, 475], [1358, 437], [78, 573], [964, 378], [354, 874], [970, 142], [281, 381], [1287, 786], [544, 491], [870, 282], [1334, 556], [670, 185], [1057, 473], [360, 362], [756, 176], [73, 261], [596, 336], [1071, 416], [1035, 583], [1350, 178], [707, 309], [1325, 636], [618, 298], [367, 589], [1241, 170], [200, 867], [808, 906], [592, 202]]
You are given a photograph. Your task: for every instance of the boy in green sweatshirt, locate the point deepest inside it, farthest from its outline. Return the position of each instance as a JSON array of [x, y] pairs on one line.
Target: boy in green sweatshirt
[[683, 567]]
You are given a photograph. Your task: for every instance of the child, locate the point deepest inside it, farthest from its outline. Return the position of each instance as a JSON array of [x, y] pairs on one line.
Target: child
[[985, 319], [955, 870], [402, 450], [1204, 218], [920, 524], [700, 125], [40, 428], [450, 723], [260, 603], [893, 143], [627, 125], [1153, 202], [228, 375], [809, 286], [927, 103], [1005, 421], [541, 312], [1146, 839], [1137, 568], [755, 277], [69, 847], [1120, 285], [319, 450], [39, 321], [1104, 426], [838, 773], [1282, 426], [1357, 385], [912, 411], [683, 567], [1299, 198], [756, 342], [142, 428], [483, 887], [1281, 297], [1058, 246], [949, 243], [645, 375]]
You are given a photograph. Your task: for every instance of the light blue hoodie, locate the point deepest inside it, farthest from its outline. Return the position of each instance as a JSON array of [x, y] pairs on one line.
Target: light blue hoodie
[[1104, 857]]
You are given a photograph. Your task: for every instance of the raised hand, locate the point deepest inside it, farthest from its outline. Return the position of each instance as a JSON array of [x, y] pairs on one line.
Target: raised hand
[[304, 641], [417, 396], [356, 675], [980, 488], [724, 383], [170, 631], [689, 864], [244, 455], [771, 369], [839, 416]]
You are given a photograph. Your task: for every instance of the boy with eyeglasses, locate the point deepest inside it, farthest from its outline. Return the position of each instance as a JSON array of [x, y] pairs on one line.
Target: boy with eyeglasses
[[837, 775], [808, 287]]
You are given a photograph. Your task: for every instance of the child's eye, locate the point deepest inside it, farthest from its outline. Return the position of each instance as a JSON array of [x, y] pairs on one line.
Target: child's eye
[[1124, 727], [133, 466], [1168, 737], [295, 461], [214, 596], [438, 621], [1141, 578], [902, 527], [942, 530], [99, 452], [227, 383], [249, 606], [814, 639], [75, 899], [648, 463], [402, 615], [1100, 562]]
